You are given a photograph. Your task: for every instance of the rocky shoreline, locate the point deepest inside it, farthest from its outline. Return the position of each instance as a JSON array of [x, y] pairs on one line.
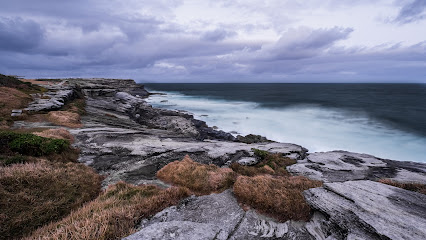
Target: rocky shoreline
[[126, 139]]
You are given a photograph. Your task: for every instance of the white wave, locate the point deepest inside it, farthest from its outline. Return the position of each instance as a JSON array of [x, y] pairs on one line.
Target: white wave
[[316, 128]]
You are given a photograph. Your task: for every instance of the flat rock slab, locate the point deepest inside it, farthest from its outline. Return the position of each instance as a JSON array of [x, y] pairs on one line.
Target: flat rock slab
[[339, 166], [217, 216], [370, 210]]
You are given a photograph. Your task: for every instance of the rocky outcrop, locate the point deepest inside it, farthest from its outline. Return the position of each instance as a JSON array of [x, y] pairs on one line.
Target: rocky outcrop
[[369, 210], [126, 139], [339, 166], [49, 101]]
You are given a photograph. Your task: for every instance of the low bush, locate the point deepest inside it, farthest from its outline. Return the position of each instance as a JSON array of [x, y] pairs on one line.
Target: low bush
[[34, 194], [30, 144], [415, 187], [280, 197], [199, 178], [114, 214]]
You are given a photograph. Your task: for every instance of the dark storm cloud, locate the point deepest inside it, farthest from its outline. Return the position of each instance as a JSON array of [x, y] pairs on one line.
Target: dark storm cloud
[[19, 35], [139, 39], [217, 35], [411, 12]]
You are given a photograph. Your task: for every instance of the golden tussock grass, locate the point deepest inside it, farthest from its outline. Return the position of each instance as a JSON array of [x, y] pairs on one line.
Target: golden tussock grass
[[415, 187], [34, 194], [272, 164], [199, 178], [58, 133], [65, 118], [279, 197], [114, 214]]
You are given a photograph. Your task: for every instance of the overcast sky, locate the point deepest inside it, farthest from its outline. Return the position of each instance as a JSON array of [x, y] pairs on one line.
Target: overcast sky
[[217, 40]]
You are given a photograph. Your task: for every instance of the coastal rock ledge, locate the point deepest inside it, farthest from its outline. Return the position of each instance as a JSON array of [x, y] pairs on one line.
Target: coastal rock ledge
[[126, 139]]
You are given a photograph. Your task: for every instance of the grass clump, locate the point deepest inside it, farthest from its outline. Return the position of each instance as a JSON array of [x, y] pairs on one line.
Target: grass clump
[[114, 214], [415, 187], [199, 178], [57, 133], [272, 164], [30, 144], [280, 197], [34, 194], [65, 118]]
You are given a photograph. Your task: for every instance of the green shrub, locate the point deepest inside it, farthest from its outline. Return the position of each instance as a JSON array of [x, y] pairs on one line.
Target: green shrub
[[260, 153], [30, 144]]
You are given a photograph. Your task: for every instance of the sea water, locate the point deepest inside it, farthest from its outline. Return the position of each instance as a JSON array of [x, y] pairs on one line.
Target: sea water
[[385, 120]]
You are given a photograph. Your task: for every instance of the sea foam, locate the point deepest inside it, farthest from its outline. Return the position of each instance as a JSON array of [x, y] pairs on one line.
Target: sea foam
[[314, 127]]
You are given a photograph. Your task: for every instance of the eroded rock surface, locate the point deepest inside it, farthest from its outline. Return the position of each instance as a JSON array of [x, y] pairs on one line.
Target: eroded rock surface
[[339, 166], [370, 210]]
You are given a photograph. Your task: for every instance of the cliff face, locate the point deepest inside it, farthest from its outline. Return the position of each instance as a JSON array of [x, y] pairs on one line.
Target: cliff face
[[126, 139]]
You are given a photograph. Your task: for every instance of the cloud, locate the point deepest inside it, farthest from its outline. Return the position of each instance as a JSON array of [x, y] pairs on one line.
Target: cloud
[[412, 12], [213, 41], [19, 35], [217, 35], [305, 42]]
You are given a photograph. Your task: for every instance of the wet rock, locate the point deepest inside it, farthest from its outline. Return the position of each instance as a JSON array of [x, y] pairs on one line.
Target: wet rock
[[369, 210]]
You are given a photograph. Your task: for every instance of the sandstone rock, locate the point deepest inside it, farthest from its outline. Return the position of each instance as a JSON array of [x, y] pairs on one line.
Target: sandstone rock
[[339, 166], [52, 100], [370, 210]]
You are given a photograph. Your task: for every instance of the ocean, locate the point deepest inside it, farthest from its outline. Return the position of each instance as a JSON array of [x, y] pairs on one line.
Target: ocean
[[385, 120]]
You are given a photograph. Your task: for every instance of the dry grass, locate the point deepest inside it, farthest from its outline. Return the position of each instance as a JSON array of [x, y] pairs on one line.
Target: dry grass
[[65, 118], [199, 178], [277, 197], [58, 133], [10, 99], [34, 194], [114, 214], [272, 164], [415, 187]]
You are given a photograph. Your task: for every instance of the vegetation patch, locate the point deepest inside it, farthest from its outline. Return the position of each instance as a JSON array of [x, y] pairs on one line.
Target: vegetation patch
[[199, 178], [78, 106], [25, 87], [415, 187], [279, 197], [272, 164], [35, 194], [30, 144], [114, 214], [56, 133], [65, 118]]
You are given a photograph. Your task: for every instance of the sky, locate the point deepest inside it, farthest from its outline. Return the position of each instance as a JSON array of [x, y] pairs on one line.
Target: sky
[[216, 40]]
